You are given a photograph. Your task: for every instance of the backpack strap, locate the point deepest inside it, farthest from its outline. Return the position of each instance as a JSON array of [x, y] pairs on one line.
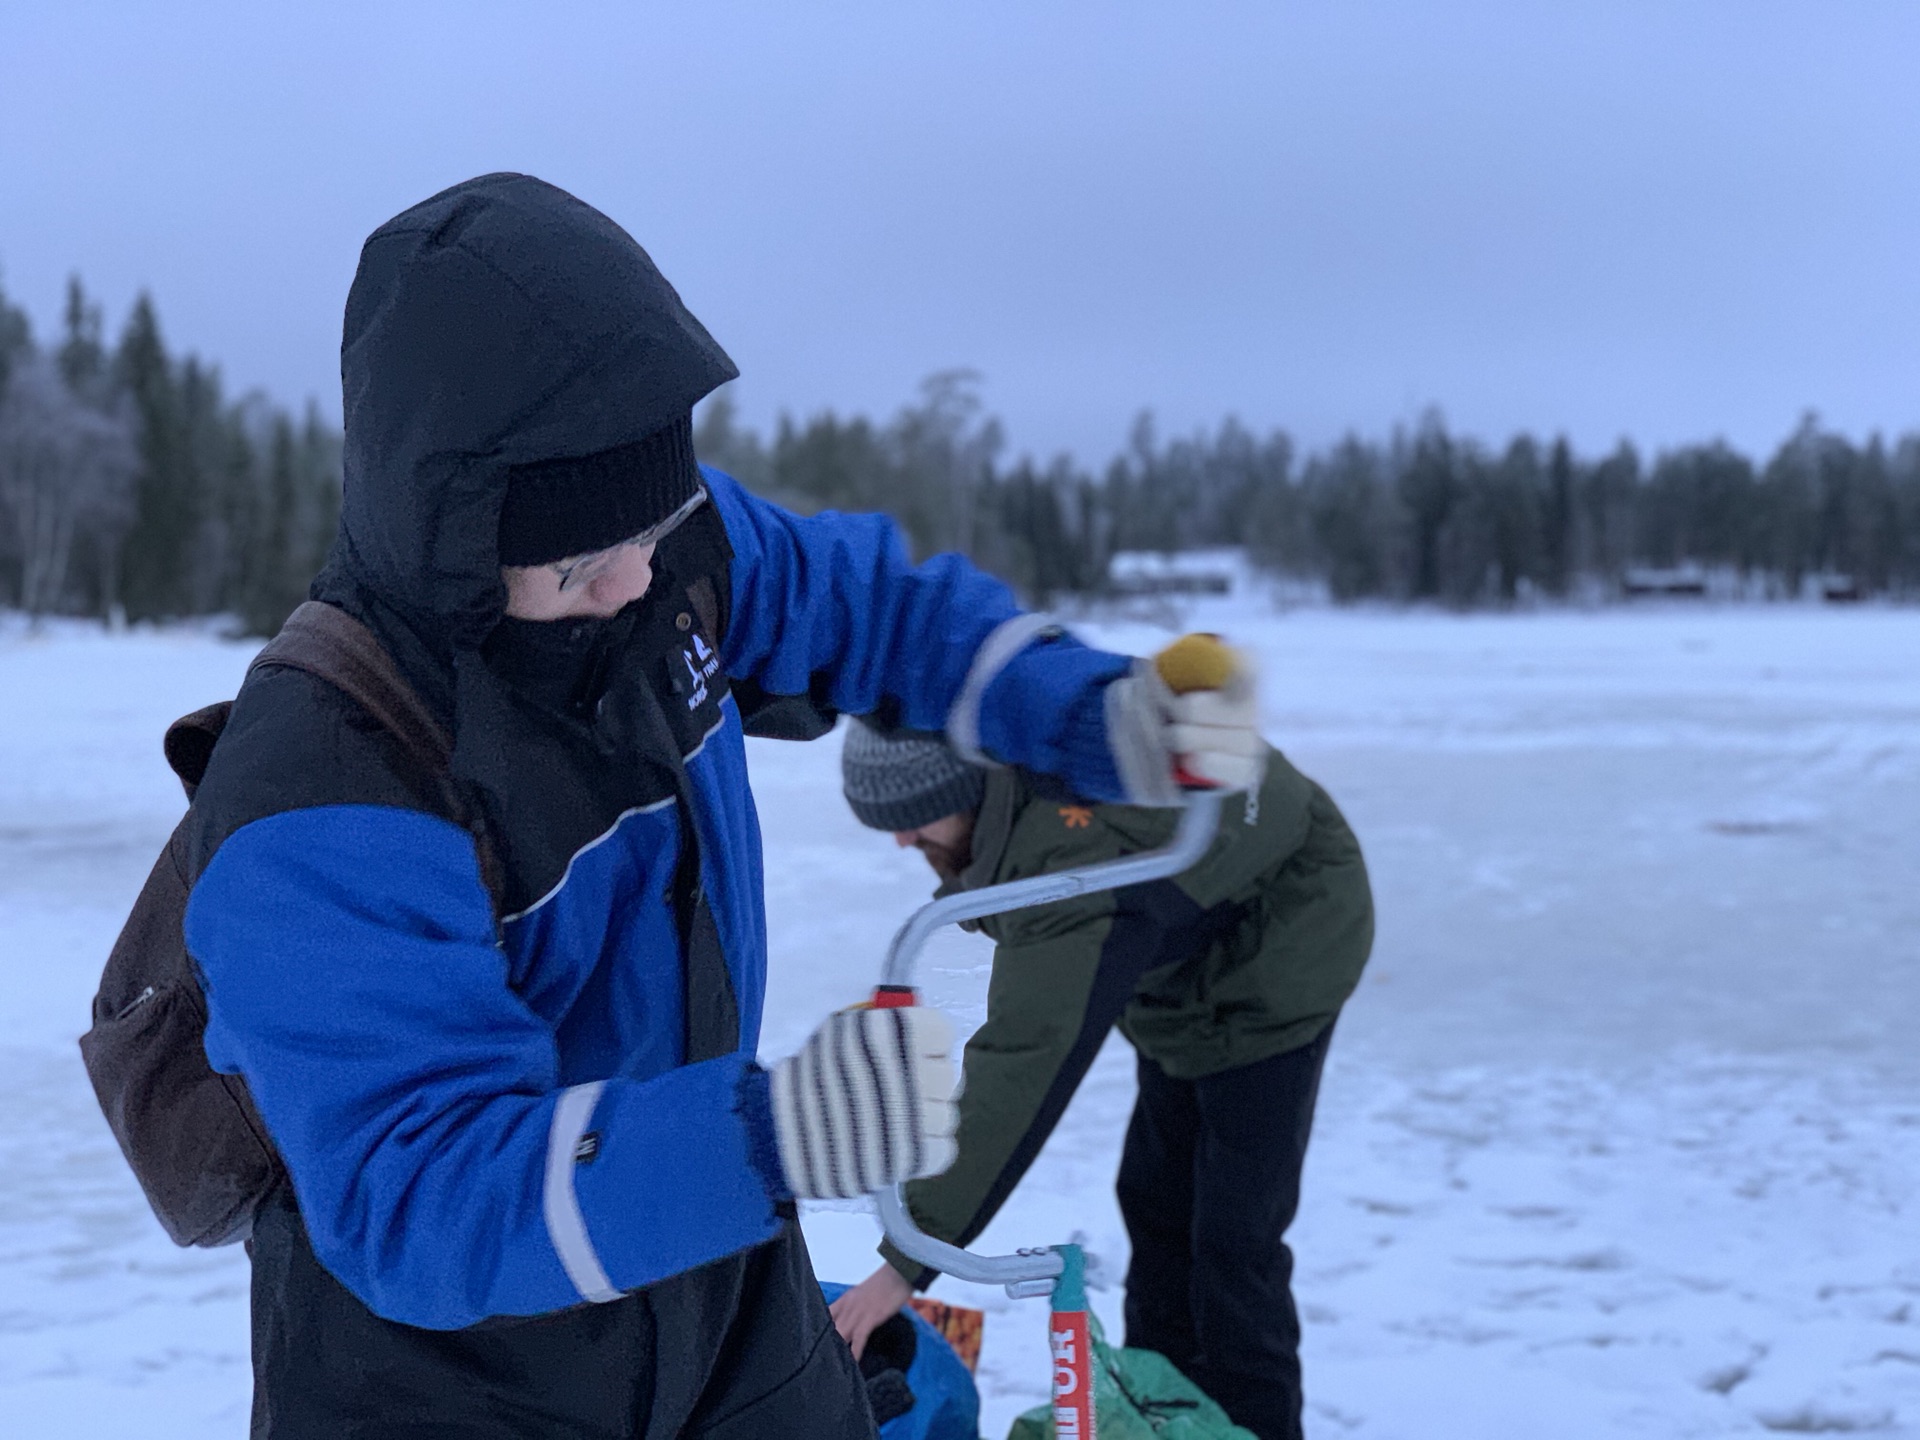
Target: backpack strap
[[190, 741], [329, 644]]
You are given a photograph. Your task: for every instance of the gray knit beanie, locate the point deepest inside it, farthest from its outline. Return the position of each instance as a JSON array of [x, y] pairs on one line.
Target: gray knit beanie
[[900, 781]]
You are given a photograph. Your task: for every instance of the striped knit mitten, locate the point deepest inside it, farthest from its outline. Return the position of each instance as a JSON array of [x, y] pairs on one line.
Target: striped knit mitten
[[867, 1102]]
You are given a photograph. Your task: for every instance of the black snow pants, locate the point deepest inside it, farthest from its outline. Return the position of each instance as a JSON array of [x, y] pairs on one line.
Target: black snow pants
[[736, 1350], [1209, 1183]]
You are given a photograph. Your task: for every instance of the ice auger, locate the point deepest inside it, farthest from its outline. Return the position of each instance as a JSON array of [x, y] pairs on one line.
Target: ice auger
[[1055, 1270]]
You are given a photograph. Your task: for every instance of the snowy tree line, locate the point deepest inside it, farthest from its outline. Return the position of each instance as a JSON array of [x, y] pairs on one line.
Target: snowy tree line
[[1423, 515], [132, 487]]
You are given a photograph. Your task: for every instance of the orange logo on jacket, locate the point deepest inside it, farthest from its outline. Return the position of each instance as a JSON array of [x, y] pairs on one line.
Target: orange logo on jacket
[[1078, 817]]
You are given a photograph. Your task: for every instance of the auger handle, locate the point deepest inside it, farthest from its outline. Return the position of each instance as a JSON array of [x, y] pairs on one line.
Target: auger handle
[[1198, 824], [1027, 1272], [1021, 1272]]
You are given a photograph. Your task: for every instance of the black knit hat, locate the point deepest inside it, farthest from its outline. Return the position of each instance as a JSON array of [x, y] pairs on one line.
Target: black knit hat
[[558, 508], [898, 780]]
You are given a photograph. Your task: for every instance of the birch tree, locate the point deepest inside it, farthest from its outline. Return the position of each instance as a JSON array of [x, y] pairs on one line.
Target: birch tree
[[64, 465]]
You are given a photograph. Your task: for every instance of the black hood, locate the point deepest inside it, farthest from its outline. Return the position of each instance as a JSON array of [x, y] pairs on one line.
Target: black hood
[[500, 323]]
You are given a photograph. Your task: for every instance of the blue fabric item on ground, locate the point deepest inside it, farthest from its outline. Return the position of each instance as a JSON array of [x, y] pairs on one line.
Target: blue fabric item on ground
[[946, 1403]]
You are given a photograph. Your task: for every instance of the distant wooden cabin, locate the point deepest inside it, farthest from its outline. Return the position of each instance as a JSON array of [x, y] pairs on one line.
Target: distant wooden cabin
[[1220, 571], [1683, 582]]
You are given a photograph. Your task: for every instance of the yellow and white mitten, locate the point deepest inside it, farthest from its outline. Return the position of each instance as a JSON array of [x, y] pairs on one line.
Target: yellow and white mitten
[[1188, 718]]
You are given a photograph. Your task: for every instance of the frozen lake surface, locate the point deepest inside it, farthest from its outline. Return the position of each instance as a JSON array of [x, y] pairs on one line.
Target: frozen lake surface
[[1621, 1135]]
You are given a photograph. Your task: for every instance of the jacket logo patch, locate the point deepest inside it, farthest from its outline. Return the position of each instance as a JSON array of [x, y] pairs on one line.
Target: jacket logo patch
[[701, 665], [1077, 817]]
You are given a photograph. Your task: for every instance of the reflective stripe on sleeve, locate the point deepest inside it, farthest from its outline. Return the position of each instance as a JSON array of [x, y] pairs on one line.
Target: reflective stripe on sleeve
[[566, 1226], [996, 652]]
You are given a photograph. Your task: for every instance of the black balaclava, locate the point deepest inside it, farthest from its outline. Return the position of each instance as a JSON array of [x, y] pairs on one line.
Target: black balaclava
[[555, 509]]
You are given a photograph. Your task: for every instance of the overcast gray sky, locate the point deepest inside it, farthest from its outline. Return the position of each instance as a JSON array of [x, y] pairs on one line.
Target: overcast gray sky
[[1664, 220]]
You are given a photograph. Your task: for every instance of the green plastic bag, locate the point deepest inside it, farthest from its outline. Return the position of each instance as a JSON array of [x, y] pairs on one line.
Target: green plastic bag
[[1138, 1395]]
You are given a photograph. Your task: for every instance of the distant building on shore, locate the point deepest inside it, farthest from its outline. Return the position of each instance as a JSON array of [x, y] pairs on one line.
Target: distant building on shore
[[1219, 571]]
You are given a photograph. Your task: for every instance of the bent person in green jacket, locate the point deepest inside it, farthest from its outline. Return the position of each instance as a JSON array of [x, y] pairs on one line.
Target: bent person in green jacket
[[1227, 980]]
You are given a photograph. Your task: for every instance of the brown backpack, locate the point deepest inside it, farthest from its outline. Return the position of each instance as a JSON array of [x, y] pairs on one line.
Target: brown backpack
[[193, 1137]]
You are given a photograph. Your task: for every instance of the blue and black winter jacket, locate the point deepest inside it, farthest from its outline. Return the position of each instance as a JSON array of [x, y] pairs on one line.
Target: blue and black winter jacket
[[510, 1077]]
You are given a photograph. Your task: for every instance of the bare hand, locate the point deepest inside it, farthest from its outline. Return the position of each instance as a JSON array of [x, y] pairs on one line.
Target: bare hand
[[869, 1305]]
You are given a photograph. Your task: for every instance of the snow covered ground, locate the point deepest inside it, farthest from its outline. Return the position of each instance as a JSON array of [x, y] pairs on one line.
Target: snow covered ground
[[1621, 1135]]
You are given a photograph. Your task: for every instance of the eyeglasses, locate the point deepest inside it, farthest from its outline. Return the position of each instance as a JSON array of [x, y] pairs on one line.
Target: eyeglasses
[[581, 569]]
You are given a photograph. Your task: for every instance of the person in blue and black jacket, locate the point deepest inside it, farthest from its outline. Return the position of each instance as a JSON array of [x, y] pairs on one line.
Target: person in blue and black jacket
[[502, 1030]]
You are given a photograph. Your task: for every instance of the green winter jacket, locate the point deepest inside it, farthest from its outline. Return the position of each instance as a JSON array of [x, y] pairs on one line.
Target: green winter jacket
[[1249, 954]]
